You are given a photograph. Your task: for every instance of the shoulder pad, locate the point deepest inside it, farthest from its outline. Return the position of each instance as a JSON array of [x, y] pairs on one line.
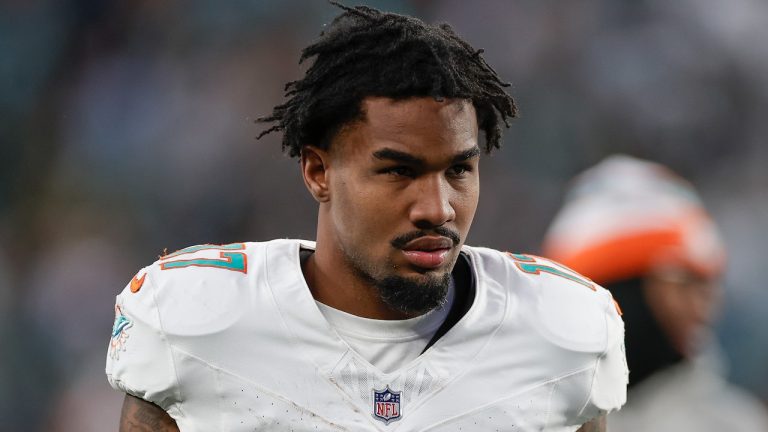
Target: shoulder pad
[[201, 289], [565, 307]]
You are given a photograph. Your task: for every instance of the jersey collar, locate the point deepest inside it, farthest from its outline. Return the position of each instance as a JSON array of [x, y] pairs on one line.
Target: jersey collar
[[316, 339]]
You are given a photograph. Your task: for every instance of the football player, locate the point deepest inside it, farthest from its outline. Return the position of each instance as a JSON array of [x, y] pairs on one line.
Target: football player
[[387, 321]]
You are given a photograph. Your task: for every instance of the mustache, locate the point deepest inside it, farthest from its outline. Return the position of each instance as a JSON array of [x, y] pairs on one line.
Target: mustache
[[400, 241]]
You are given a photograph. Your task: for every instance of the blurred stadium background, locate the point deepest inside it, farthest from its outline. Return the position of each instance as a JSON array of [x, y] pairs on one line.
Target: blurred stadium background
[[127, 128]]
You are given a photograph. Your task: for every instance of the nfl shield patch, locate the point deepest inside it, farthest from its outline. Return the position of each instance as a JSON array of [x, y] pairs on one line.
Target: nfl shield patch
[[386, 405]]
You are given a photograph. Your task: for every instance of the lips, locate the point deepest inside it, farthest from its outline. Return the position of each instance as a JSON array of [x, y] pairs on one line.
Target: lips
[[427, 252]]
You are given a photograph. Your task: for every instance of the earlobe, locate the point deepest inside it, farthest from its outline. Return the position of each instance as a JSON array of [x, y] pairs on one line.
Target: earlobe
[[314, 163]]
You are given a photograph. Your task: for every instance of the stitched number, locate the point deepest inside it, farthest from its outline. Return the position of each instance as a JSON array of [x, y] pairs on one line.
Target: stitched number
[[528, 264], [228, 260]]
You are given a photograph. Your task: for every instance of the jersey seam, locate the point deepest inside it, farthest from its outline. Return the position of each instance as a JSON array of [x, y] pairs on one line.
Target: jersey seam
[[597, 362], [276, 304], [177, 403], [221, 371], [366, 338], [501, 399], [549, 404], [125, 387], [294, 339], [474, 267]]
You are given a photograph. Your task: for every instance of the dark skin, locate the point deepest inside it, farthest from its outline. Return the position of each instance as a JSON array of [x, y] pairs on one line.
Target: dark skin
[[595, 425], [139, 415], [409, 165]]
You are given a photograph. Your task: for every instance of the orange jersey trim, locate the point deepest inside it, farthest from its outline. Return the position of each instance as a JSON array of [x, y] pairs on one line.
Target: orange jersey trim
[[137, 282]]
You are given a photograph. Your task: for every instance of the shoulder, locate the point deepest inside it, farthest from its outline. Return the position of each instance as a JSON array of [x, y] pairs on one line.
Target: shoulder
[[563, 306], [201, 288]]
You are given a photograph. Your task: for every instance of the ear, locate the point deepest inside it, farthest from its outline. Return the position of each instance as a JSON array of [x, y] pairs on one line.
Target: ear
[[314, 164]]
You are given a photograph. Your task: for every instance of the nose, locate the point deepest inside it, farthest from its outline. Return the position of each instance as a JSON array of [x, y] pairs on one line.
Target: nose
[[432, 203]]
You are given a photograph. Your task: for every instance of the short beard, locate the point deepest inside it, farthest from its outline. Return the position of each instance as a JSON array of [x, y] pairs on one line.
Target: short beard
[[409, 296], [412, 297]]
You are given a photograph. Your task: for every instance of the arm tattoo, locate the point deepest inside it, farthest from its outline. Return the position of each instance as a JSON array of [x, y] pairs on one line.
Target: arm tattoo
[[595, 425], [139, 415]]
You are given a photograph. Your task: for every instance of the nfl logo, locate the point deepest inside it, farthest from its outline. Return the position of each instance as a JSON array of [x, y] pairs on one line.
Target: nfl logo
[[386, 405]]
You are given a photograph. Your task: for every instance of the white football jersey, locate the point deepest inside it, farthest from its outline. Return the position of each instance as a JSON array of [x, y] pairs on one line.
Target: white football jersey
[[229, 338]]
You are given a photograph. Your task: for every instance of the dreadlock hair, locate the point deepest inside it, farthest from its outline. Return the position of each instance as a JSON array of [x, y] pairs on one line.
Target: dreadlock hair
[[365, 52]]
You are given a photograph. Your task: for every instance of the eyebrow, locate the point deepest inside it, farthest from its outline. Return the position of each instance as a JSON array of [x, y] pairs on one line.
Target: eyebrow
[[467, 154], [402, 157]]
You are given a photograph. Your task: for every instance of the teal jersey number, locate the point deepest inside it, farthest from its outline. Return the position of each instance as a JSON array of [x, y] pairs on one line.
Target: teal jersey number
[[234, 261], [528, 264]]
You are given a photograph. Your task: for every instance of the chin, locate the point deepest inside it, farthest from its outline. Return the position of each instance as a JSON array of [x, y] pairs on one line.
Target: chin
[[414, 295]]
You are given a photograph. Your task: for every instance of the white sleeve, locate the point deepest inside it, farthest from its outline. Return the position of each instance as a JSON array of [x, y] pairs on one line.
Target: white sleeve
[[139, 358], [609, 383]]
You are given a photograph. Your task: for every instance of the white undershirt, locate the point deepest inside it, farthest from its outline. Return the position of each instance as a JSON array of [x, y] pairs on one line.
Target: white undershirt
[[388, 344]]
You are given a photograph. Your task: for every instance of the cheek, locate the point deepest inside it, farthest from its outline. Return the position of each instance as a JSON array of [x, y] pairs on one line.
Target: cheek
[[358, 211], [465, 204]]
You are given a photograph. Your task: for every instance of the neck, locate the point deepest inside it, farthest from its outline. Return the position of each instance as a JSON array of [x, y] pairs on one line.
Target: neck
[[334, 284]]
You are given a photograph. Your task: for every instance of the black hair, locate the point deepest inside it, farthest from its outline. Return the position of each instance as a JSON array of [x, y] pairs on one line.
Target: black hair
[[365, 52]]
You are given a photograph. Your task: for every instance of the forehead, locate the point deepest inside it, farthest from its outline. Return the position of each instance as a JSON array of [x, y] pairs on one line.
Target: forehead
[[420, 126]]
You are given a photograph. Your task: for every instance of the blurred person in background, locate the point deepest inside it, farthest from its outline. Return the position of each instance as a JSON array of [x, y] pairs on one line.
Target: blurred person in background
[[641, 231]]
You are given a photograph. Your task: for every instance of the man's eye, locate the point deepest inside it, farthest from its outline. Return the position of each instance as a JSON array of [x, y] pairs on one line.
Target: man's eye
[[399, 171], [459, 170]]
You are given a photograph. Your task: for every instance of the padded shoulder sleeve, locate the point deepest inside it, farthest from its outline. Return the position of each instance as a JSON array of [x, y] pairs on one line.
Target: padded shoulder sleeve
[[578, 327], [139, 358], [566, 308], [611, 375]]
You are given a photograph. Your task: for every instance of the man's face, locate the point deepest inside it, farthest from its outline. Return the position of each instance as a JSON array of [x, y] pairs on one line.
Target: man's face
[[403, 188], [683, 303]]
